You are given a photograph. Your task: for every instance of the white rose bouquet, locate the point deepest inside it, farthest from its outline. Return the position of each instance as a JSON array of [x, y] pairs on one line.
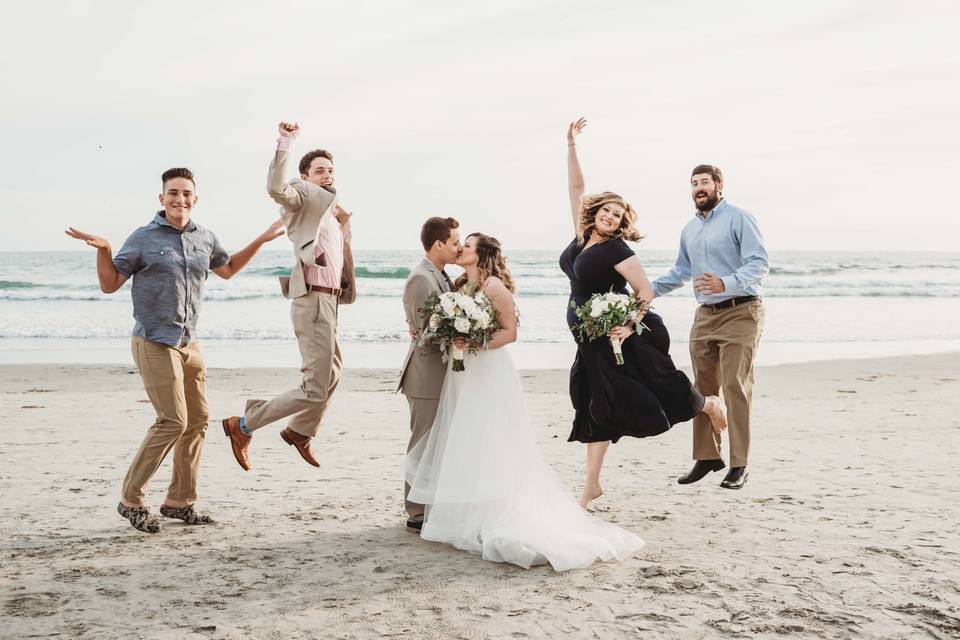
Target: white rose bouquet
[[604, 311], [458, 315]]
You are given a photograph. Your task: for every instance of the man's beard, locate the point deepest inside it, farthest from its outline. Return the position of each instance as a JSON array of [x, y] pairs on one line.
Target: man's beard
[[707, 204]]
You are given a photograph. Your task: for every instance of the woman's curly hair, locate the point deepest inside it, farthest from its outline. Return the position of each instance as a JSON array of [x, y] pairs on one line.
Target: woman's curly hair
[[592, 204], [490, 262]]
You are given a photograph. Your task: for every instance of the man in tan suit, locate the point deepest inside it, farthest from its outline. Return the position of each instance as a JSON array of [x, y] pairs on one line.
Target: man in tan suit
[[423, 370], [322, 277]]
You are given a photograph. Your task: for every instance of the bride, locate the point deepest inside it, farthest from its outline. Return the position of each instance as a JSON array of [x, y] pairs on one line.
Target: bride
[[480, 474]]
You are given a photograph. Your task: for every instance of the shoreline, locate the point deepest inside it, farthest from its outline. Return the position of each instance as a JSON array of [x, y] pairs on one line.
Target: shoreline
[[371, 356]]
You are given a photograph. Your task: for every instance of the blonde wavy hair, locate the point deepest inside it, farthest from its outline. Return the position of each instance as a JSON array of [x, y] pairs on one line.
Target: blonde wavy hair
[[592, 204], [490, 262]]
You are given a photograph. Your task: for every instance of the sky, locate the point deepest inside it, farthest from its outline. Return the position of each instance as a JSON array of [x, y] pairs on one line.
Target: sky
[[834, 122]]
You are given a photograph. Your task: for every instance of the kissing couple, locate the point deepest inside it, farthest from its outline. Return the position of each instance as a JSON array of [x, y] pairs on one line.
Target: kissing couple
[[475, 477]]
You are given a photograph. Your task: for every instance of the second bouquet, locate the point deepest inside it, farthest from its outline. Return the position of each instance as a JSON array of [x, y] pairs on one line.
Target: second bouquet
[[604, 311], [454, 315]]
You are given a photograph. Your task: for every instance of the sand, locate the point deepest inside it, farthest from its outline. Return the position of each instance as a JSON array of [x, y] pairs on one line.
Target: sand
[[848, 527]]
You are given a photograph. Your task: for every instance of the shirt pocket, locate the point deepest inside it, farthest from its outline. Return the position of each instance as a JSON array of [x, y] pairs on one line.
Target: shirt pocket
[[162, 258], [200, 260]]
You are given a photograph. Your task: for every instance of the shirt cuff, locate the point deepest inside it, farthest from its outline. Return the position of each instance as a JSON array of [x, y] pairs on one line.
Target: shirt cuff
[[283, 143], [730, 284]]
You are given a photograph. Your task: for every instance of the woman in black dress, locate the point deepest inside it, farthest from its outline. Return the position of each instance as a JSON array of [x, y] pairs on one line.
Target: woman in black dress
[[647, 394]]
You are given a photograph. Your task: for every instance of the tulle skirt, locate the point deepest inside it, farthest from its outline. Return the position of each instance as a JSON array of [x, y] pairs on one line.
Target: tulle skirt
[[486, 486]]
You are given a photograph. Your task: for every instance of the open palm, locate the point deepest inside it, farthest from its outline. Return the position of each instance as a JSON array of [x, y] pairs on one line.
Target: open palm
[[93, 241], [575, 129]]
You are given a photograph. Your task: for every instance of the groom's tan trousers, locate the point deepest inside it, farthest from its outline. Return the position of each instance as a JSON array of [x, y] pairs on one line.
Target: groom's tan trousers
[[723, 345], [423, 411], [175, 379], [314, 317]]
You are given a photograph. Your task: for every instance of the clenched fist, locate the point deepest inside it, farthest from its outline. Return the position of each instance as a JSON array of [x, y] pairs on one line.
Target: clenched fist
[[289, 130]]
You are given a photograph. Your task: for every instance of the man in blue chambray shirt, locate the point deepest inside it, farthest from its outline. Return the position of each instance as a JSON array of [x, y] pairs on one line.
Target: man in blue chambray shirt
[[721, 248], [168, 260]]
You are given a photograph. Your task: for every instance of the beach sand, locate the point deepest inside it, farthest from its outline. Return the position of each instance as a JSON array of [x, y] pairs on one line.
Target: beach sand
[[848, 527]]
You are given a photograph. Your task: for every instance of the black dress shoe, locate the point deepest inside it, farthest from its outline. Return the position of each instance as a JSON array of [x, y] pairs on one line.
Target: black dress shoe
[[736, 478], [416, 525], [700, 469]]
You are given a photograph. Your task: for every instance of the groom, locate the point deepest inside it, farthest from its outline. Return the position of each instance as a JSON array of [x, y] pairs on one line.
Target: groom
[[722, 249], [421, 377], [322, 278]]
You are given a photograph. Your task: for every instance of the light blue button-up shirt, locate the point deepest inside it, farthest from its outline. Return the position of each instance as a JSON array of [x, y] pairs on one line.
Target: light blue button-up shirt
[[727, 243]]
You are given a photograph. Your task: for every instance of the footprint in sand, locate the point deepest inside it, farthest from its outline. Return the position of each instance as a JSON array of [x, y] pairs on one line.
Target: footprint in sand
[[33, 605]]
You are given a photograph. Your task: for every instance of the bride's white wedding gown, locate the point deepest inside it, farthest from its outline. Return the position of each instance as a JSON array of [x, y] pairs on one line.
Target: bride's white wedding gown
[[485, 484]]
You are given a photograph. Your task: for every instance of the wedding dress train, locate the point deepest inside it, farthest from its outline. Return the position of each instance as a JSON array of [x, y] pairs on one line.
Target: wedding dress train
[[486, 486]]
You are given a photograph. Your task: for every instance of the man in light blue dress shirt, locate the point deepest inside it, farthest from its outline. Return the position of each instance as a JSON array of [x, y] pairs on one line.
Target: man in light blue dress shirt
[[722, 250]]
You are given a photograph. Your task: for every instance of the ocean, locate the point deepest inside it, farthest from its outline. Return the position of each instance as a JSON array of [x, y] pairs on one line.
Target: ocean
[[820, 305]]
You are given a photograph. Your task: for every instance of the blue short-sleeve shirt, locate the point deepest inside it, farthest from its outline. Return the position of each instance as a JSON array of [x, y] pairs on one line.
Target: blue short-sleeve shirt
[[169, 268]]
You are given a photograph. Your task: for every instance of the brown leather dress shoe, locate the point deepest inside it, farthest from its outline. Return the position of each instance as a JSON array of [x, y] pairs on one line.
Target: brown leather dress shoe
[[239, 441], [302, 444]]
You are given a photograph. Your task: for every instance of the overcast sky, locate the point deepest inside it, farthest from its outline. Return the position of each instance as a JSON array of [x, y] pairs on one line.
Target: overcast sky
[[835, 122]]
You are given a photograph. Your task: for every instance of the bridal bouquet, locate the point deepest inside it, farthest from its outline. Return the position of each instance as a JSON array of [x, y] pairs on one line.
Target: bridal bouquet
[[604, 311], [458, 315]]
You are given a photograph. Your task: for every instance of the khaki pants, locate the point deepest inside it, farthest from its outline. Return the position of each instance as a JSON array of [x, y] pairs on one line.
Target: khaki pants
[[314, 319], [175, 380], [723, 344], [422, 413]]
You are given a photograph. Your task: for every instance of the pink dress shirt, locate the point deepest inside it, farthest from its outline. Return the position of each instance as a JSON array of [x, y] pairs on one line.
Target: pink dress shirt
[[328, 249]]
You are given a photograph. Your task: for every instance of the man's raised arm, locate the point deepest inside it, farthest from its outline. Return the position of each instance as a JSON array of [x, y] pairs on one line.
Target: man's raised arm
[[283, 193]]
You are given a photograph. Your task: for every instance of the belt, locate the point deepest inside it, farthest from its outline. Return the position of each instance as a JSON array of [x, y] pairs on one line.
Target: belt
[[319, 289], [732, 302]]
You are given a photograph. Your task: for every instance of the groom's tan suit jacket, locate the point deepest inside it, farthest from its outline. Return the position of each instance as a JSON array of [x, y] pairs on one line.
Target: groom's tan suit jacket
[[423, 369]]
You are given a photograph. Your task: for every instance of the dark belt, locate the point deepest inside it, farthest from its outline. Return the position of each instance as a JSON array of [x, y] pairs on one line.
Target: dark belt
[[319, 289], [732, 302]]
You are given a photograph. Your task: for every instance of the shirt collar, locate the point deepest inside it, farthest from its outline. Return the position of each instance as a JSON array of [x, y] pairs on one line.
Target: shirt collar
[[717, 209], [161, 219], [429, 265]]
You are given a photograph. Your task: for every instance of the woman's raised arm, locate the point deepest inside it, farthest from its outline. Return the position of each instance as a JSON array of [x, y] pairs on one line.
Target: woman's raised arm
[[575, 181]]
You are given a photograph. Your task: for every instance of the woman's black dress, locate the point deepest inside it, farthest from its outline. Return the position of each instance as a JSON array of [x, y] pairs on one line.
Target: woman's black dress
[[644, 396]]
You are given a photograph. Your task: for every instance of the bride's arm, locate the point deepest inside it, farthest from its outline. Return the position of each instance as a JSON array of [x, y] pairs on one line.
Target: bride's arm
[[575, 182], [503, 304]]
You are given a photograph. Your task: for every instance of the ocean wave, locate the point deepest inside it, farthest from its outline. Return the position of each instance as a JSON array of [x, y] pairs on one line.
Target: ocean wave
[[268, 271], [769, 292], [803, 271], [238, 335], [6, 285], [390, 273], [251, 335]]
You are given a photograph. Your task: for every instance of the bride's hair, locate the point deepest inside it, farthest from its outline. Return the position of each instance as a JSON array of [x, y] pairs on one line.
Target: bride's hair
[[592, 204], [490, 262]]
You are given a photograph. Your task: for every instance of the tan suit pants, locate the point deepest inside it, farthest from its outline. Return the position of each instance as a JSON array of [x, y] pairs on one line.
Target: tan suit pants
[[314, 319], [175, 380], [422, 413], [723, 345]]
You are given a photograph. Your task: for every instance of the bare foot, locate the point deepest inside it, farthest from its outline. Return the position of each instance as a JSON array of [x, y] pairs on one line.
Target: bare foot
[[590, 492], [717, 412]]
